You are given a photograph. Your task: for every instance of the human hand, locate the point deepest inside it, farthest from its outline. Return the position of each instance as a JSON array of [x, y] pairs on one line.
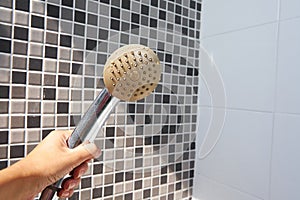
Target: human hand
[[54, 160], [46, 164]]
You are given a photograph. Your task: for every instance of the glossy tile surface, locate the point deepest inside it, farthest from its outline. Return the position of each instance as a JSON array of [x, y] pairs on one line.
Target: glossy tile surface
[[52, 57]]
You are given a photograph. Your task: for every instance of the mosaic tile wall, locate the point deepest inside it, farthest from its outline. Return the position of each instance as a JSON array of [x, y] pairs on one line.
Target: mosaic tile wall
[[52, 54]]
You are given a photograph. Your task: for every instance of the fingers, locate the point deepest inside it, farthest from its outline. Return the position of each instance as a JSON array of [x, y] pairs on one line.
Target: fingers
[[65, 193], [72, 182], [80, 170]]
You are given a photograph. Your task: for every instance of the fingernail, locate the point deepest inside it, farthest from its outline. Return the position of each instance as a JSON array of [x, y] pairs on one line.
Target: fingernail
[[93, 149], [81, 172], [65, 194], [72, 185]]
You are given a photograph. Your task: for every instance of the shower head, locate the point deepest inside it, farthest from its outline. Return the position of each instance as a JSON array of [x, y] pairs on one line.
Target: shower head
[[132, 72]]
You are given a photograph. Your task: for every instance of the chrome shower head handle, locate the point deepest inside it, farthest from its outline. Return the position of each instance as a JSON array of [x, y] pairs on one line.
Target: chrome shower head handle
[[131, 73]]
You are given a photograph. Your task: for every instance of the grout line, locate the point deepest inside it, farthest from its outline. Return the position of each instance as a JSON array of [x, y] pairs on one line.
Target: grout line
[[275, 99]]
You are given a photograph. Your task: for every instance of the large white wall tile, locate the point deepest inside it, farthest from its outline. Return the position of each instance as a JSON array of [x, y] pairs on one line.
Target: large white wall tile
[[223, 16], [289, 8], [285, 178], [246, 60], [288, 91], [207, 189], [241, 158]]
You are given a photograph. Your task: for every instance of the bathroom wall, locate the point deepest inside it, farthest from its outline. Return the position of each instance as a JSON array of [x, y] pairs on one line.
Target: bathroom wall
[[255, 46], [52, 55]]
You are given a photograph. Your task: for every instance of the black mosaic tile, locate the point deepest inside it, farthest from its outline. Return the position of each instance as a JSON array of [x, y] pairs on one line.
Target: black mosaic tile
[[115, 24], [115, 12], [49, 94], [23, 5], [128, 176], [63, 81], [4, 92], [119, 177], [45, 133], [62, 108], [68, 3], [76, 68], [86, 182], [52, 11], [65, 40], [75, 196], [3, 137], [97, 192], [91, 44], [98, 169], [37, 22], [154, 3], [126, 4], [104, 1], [20, 33], [17, 151], [108, 190], [19, 77], [110, 132], [128, 196], [3, 164], [79, 17], [146, 193], [5, 46], [33, 121], [51, 52], [5, 31], [35, 64], [135, 18]]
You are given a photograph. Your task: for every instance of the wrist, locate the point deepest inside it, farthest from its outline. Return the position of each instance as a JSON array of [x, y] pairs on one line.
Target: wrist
[[22, 177]]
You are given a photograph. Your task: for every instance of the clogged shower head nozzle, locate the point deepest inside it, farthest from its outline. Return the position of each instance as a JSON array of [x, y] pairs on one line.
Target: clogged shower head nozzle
[[132, 72]]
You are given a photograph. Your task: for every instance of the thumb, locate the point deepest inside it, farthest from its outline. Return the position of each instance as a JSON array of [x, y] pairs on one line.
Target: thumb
[[85, 151]]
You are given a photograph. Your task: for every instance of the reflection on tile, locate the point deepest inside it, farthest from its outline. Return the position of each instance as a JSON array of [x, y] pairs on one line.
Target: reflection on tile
[[59, 83]]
